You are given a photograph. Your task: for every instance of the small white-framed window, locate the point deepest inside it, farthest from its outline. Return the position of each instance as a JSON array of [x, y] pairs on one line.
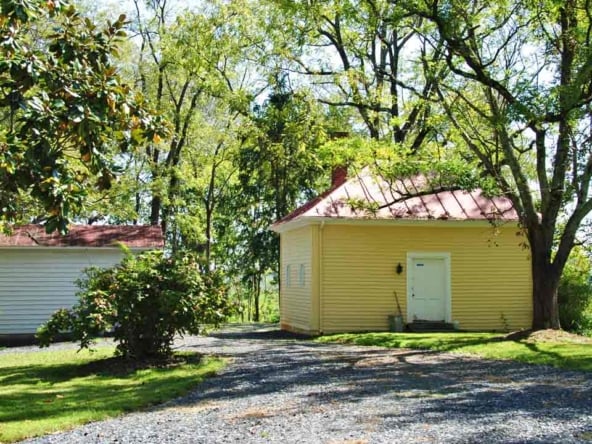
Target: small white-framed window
[[288, 275], [302, 275]]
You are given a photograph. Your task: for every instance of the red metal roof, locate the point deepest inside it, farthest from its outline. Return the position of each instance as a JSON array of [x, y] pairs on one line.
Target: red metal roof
[[367, 197], [134, 236]]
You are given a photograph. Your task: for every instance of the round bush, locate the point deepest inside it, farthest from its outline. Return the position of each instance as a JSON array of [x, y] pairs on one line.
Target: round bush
[[144, 302]]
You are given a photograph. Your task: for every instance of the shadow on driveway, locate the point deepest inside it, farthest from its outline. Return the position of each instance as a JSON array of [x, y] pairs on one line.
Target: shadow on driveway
[[255, 331], [399, 386]]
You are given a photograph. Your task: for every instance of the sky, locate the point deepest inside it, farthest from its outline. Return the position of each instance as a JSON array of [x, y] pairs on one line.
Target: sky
[[112, 8]]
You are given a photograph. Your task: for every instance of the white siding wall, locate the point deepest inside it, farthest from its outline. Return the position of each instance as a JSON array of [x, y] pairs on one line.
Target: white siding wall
[[35, 282]]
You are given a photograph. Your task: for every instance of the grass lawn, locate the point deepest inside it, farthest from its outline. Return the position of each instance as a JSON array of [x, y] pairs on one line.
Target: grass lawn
[[558, 350], [44, 392]]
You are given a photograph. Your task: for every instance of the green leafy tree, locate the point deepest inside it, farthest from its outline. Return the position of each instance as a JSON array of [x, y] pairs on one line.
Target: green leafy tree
[[575, 293], [65, 111], [519, 99], [279, 167], [190, 70], [145, 302], [209, 174], [364, 55]]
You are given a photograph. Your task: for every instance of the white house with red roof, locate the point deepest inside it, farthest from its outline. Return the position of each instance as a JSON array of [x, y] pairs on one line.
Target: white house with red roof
[[38, 270], [368, 249]]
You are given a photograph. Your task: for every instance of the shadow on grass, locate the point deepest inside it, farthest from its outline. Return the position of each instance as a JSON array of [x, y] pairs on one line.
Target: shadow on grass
[[570, 356], [70, 394], [27, 375], [108, 367], [573, 356], [421, 341]]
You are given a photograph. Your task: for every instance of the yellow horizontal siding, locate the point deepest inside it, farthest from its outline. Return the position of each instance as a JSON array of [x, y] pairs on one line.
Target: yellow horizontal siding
[[490, 275], [295, 299]]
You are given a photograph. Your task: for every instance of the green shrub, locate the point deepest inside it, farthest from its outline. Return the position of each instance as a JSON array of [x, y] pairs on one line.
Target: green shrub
[[144, 302], [575, 294]]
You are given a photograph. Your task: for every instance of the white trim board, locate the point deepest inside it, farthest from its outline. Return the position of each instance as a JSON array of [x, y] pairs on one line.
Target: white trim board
[[301, 221]]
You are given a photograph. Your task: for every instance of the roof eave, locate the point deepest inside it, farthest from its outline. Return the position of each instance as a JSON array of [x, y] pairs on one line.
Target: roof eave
[[304, 221], [292, 224], [78, 247]]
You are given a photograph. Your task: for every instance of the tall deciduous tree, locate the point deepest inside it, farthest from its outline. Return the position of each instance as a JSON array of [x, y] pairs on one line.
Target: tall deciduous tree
[[279, 167], [192, 67], [520, 98], [65, 111], [364, 55]]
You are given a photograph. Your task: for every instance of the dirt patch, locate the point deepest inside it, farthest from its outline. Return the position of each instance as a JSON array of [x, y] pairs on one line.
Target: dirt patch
[[374, 362], [256, 413], [548, 336], [262, 412], [118, 365]]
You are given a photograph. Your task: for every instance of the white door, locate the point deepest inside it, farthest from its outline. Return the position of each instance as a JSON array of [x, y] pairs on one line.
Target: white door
[[428, 288]]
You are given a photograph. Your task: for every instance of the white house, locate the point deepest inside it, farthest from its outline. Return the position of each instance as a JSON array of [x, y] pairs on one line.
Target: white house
[[38, 270]]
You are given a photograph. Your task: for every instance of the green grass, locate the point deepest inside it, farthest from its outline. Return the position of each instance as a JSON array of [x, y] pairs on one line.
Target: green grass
[[44, 392], [569, 355]]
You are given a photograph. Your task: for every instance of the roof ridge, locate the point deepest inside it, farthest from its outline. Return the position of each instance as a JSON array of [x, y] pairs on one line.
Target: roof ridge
[[84, 235]]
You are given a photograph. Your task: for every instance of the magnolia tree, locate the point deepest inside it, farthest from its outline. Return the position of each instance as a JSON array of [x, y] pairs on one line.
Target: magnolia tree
[[65, 111]]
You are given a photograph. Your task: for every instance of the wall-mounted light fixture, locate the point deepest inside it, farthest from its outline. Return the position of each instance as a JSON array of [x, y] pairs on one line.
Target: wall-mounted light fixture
[[399, 268]]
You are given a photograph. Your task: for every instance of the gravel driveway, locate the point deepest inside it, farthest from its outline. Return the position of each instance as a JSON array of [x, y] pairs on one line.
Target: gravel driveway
[[294, 391]]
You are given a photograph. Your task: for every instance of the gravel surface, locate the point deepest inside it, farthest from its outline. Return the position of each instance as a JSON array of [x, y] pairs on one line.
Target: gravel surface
[[284, 390]]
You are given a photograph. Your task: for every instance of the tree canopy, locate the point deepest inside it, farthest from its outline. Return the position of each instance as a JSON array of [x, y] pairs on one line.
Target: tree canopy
[[518, 96], [65, 111], [255, 91]]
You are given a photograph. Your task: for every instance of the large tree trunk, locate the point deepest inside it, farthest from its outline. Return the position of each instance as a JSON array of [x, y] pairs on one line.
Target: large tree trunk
[[544, 299], [155, 205], [256, 296], [545, 282]]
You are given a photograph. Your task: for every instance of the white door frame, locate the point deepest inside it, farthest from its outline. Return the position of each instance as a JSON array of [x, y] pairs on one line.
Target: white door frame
[[447, 287]]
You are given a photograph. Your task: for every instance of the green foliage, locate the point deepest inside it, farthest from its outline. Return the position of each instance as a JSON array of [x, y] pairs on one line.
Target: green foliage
[[145, 301], [46, 392], [269, 310], [445, 168], [64, 108], [575, 294], [363, 57], [192, 67], [516, 96], [279, 167]]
